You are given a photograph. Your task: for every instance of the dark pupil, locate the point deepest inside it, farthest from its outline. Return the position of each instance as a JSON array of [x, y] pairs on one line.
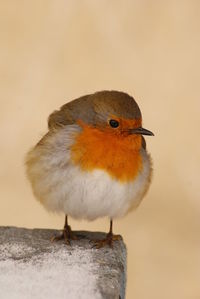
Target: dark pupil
[[114, 123]]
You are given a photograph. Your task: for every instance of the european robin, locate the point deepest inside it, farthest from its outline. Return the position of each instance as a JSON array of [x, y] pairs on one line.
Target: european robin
[[93, 161]]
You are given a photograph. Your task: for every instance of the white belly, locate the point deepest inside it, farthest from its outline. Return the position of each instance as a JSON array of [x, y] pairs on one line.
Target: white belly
[[95, 194], [63, 187]]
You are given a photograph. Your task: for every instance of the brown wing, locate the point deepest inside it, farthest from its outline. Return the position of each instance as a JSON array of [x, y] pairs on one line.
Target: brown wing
[[69, 113], [59, 118]]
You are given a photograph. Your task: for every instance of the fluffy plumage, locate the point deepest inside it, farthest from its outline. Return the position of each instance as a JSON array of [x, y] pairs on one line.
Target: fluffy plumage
[[63, 185]]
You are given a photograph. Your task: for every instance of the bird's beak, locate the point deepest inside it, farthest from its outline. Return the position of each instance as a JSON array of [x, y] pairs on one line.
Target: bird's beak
[[141, 131]]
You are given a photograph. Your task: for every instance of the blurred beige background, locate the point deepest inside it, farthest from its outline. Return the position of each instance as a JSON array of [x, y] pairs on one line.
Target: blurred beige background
[[54, 51]]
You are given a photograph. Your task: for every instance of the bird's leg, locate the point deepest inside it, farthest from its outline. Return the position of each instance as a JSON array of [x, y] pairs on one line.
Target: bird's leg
[[66, 235], [110, 238]]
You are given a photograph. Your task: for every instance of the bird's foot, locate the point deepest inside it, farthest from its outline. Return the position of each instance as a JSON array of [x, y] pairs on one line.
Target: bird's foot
[[67, 235], [109, 240]]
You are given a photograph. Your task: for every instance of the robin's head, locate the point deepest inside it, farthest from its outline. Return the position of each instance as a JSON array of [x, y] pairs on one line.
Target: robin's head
[[113, 111], [116, 112]]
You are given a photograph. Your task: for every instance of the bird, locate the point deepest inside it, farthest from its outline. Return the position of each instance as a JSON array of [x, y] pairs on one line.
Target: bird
[[92, 162]]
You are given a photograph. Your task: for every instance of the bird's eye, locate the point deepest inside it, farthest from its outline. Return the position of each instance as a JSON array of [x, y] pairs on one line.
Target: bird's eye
[[114, 123]]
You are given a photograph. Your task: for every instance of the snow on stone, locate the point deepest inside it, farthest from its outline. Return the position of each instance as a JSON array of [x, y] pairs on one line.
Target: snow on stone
[[59, 274]]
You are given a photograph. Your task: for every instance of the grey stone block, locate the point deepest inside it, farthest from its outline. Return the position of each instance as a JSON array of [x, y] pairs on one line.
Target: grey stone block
[[33, 267]]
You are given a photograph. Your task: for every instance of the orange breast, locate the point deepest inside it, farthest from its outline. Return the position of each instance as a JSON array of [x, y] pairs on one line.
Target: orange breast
[[117, 154]]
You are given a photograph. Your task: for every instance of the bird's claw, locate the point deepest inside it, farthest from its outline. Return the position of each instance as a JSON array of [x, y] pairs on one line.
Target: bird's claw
[[66, 235], [108, 241]]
